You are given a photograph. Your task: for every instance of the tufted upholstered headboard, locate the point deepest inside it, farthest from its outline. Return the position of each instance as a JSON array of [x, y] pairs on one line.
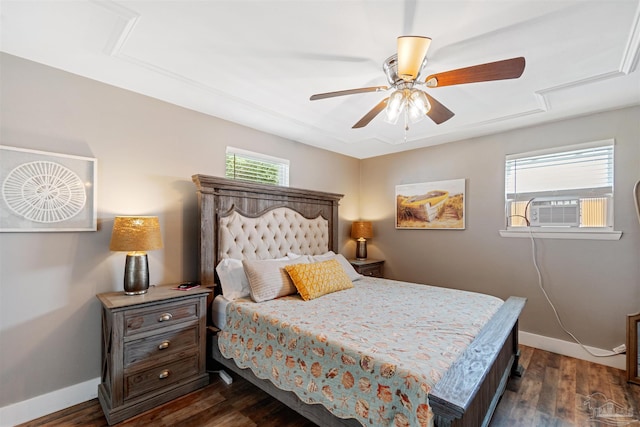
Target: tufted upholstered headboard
[[255, 221], [271, 235]]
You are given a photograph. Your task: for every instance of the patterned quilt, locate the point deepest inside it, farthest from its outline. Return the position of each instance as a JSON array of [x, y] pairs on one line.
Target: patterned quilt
[[372, 352]]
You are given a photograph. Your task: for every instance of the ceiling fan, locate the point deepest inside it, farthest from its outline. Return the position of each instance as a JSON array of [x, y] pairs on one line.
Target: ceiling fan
[[403, 71]]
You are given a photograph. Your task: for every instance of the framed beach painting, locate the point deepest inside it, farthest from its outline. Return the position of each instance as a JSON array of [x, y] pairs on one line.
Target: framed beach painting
[[43, 191], [431, 205]]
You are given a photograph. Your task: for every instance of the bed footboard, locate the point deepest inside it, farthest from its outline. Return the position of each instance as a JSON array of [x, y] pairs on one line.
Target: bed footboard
[[469, 392]]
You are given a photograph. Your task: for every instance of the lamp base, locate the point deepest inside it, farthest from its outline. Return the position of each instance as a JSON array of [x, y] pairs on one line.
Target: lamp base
[[361, 250], [136, 274]]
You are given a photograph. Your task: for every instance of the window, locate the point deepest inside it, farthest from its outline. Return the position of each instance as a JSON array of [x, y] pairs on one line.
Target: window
[[566, 188], [249, 166]]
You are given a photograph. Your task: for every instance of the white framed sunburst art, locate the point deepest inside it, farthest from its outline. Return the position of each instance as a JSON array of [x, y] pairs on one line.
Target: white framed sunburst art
[[42, 191]]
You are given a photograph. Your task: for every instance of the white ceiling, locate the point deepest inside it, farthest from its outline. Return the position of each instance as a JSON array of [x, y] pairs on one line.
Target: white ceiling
[[257, 62]]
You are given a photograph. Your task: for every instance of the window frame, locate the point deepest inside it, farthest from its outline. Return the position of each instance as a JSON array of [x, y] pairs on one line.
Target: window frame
[[282, 164], [563, 232]]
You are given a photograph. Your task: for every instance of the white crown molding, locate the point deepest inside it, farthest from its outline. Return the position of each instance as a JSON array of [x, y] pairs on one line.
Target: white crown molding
[[628, 63], [632, 49], [123, 31], [510, 116], [117, 41], [120, 34], [582, 82]]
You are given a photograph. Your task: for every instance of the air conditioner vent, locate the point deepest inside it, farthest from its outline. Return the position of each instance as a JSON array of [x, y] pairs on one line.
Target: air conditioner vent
[[558, 212]]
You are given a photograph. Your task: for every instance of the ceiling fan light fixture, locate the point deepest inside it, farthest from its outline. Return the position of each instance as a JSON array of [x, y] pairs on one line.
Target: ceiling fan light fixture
[[411, 53], [395, 106], [417, 106]]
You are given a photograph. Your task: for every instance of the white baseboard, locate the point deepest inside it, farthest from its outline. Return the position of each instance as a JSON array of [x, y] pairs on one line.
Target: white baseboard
[[567, 348], [45, 404]]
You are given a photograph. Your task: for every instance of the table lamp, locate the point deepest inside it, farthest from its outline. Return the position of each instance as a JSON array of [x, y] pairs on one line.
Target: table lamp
[[361, 230], [135, 235]]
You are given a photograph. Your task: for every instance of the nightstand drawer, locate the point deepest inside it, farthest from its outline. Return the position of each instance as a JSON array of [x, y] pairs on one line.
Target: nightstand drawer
[[371, 270], [157, 378], [146, 319], [159, 345]]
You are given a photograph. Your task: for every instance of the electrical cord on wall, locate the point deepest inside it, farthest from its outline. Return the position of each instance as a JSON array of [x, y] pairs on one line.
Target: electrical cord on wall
[[544, 292], [636, 198]]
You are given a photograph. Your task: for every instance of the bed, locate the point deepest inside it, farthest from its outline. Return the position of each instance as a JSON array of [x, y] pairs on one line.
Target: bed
[[253, 222]]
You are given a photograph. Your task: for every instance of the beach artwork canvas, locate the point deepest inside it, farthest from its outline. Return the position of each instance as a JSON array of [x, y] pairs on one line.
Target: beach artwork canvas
[[431, 205]]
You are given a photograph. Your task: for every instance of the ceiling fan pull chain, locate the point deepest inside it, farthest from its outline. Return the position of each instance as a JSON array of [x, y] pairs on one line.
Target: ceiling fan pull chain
[[406, 122], [406, 125]]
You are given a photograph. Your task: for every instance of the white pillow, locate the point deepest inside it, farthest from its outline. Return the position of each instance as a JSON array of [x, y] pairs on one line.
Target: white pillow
[[268, 279], [348, 268], [291, 255], [233, 280]]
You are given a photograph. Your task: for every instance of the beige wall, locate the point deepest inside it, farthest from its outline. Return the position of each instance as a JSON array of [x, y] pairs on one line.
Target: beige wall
[[147, 151], [593, 283]]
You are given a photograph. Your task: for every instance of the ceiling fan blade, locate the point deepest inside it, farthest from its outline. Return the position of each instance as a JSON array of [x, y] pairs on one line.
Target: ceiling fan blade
[[438, 112], [371, 114], [348, 92], [499, 70]]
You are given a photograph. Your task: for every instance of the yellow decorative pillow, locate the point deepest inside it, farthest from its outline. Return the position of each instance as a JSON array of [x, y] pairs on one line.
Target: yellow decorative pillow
[[318, 278]]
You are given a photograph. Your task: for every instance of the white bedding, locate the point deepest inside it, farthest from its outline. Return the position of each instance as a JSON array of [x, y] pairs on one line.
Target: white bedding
[[218, 311], [372, 352]]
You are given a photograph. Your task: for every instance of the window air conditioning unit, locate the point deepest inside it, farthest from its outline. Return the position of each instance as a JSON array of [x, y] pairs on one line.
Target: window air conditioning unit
[[555, 212]]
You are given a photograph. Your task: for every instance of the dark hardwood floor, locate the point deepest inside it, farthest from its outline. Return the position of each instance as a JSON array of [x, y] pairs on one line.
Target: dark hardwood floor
[[552, 392]]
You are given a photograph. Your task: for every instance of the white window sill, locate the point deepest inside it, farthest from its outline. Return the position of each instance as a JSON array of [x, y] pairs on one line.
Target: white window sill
[[562, 234]]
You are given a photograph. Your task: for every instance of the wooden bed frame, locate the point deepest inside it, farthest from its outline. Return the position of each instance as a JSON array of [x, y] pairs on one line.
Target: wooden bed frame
[[468, 393]]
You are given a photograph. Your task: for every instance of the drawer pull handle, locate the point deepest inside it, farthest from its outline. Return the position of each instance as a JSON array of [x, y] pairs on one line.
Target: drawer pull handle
[[163, 345], [164, 374], [164, 317]]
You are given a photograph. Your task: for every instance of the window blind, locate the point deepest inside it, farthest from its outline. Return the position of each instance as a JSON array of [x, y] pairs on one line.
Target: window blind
[[256, 167], [584, 171]]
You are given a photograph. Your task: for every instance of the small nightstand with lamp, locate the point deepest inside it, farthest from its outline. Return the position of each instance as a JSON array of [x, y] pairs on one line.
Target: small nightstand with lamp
[[363, 230], [153, 340]]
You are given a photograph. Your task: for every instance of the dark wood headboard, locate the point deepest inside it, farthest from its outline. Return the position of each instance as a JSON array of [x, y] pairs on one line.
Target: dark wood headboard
[[218, 196]]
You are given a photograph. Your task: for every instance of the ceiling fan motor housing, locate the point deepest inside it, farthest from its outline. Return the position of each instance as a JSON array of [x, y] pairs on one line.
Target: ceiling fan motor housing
[[390, 68]]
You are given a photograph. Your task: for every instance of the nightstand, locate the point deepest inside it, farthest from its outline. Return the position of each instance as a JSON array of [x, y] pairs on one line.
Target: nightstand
[[153, 349], [368, 267]]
